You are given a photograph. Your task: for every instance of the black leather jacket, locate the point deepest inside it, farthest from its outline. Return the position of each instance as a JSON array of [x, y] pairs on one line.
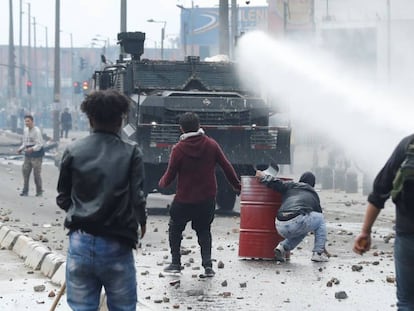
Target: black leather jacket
[[297, 197], [100, 187]]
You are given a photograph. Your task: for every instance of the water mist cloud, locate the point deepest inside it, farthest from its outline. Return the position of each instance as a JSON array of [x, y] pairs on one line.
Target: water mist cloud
[[326, 97]]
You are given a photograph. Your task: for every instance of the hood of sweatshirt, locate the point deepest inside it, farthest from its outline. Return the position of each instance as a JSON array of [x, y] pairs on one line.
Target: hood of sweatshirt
[[193, 145]]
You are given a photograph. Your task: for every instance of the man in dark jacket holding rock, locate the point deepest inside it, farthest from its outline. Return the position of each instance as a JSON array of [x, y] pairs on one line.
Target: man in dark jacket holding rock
[[404, 226], [193, 162], [299, 214]]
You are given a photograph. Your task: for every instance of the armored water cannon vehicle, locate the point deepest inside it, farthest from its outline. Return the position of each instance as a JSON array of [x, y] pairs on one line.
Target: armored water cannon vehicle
[[162, 90]]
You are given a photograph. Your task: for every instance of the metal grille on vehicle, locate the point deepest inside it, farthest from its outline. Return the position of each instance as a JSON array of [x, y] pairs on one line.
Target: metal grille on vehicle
[[165, 134], [264, 139], [209, 117]]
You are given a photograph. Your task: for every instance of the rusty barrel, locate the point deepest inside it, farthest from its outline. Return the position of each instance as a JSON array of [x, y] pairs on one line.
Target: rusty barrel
[[258, 208]]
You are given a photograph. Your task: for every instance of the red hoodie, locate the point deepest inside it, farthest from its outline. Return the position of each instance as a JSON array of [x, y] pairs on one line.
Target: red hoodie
[[194, 161]]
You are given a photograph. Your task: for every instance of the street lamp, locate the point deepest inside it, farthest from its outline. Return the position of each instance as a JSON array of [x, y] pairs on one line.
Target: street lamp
[[94, 40], [36, 75], [181, 7], [47, 56], [162, 34], [71, 62]]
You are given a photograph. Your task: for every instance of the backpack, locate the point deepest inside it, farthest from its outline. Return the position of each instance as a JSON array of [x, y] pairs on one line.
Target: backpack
[[403, 183]]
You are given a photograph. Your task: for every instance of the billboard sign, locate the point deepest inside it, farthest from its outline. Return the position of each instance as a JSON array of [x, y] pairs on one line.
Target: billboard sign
[[290, 15], [200, 26]]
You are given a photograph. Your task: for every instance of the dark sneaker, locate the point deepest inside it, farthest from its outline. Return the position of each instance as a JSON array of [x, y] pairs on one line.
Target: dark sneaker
[[209, 272], [173, 268], [23, 194], [39, 194]]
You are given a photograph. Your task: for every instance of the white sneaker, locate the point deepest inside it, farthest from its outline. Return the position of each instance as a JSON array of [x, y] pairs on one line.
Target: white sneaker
[[280, 253], [319, 257]]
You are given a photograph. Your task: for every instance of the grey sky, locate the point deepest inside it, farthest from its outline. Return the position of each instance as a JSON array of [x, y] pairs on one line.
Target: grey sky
[[86, 19]]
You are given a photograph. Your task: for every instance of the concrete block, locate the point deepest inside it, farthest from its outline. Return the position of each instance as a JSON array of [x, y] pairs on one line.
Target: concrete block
[[51, 263], [3, 231], [21, 244], [10, 239], [35, 258], [59, 277], [27, 248]]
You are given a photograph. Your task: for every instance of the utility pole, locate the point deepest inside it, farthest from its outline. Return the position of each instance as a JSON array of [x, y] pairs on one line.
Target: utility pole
[[162, 40], [20, 52], [56, 89], [12, 61], [313, 16], [47, 58], [234, 30], [123, 25], [35, 69], [389, 41], [192, 27], [285, 16], [11, 90], [123, 15], [29, 44], [164, 24], [184, 25], [45, 84], [71, 68], [224, 27]]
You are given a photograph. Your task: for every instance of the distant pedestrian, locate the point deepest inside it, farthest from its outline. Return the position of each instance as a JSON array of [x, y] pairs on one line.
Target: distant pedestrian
[[404, 226], [100, 187], [32, 147], [299, 214], [193, 162], [65, 123]]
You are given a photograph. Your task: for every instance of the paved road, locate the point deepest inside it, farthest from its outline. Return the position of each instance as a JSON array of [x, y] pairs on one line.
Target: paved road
[[241, 283]]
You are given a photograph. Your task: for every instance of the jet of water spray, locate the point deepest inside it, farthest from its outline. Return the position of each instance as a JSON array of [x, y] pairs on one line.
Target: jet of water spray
[[324, 96]]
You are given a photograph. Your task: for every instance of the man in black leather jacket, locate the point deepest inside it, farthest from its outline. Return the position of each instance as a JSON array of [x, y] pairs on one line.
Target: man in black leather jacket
[[100, 187], [299, 214]]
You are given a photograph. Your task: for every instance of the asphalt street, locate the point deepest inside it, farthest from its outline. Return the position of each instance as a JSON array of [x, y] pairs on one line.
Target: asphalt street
[[347, 282]]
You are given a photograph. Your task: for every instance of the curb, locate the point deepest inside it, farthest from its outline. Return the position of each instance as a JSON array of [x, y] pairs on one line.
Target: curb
[[38, 257], [35, 255]]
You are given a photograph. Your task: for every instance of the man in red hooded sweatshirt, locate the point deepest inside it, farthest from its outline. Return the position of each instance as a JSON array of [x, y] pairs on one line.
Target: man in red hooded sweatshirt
[[193, 161]]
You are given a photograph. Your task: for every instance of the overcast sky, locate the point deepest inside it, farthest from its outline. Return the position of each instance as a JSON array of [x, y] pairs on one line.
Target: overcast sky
[[86, 19]]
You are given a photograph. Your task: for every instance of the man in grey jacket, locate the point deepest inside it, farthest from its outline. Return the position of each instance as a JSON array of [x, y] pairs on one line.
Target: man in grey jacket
[[100, 187], [299, 214], [32, 147]]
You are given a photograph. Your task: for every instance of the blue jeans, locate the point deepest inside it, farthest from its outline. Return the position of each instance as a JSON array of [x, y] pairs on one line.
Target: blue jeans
[[296, 229], [404, 271], [94, 262]]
